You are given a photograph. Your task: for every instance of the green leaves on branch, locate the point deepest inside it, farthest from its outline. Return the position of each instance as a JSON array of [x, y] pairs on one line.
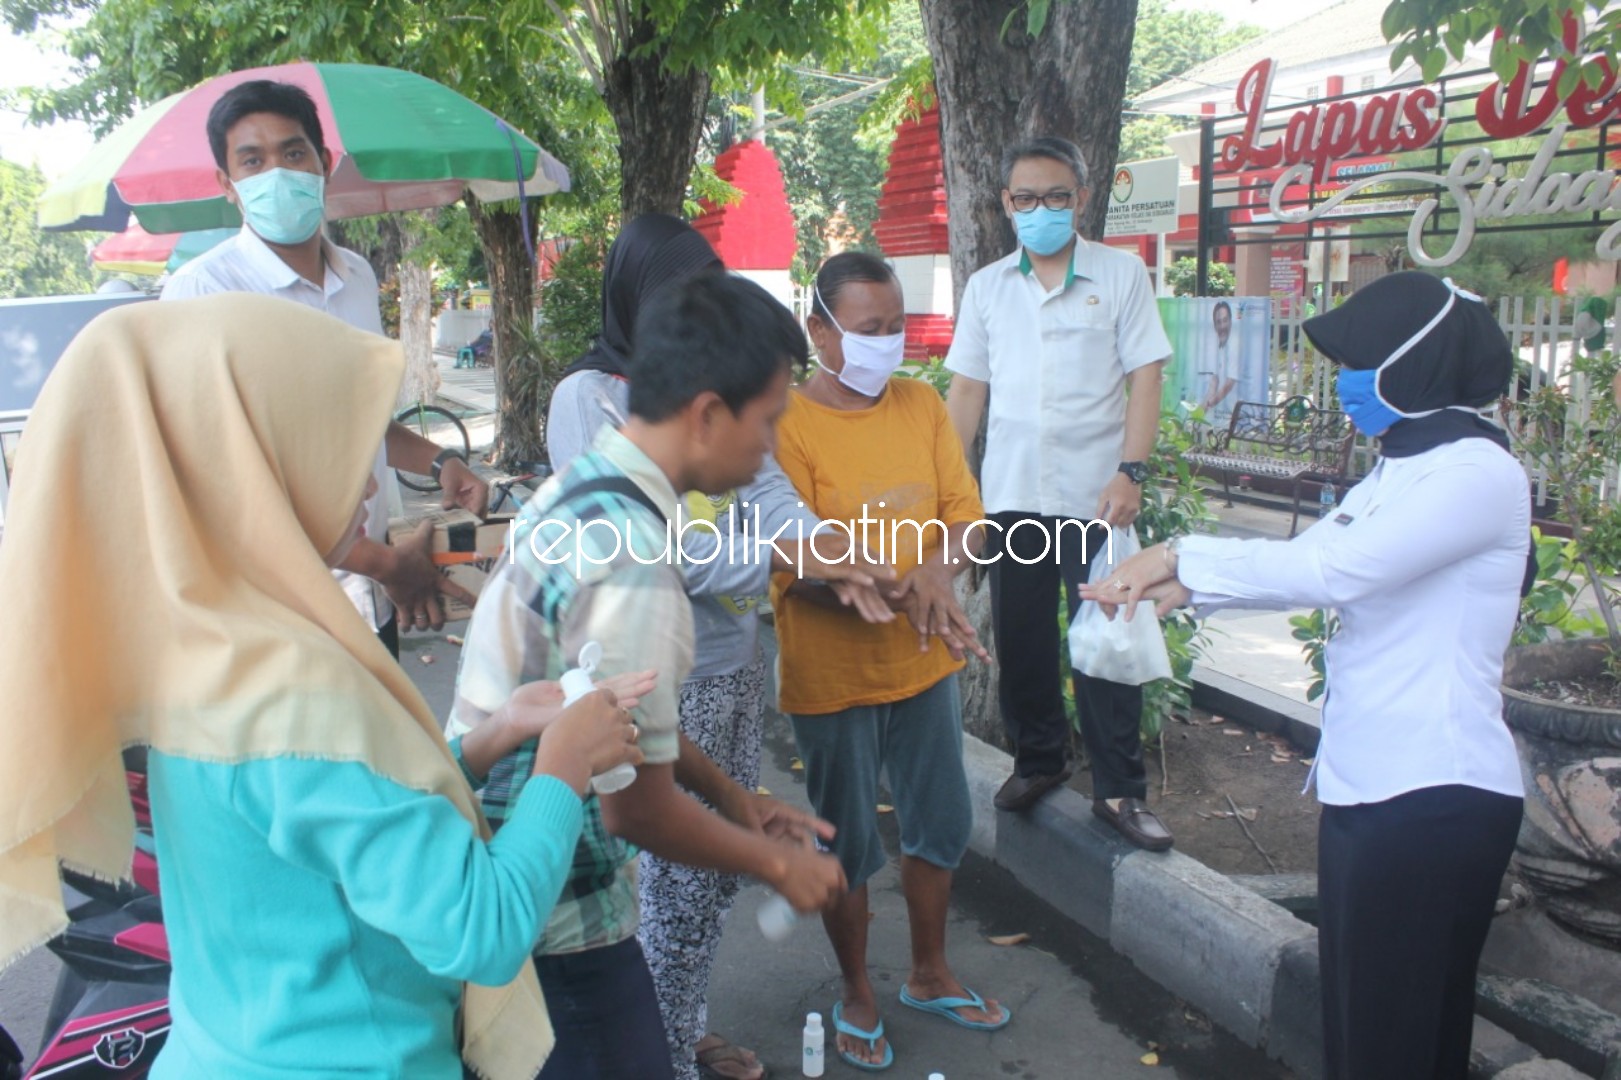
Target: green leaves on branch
[[1569, 434], [1314, 631], [1428, 32]]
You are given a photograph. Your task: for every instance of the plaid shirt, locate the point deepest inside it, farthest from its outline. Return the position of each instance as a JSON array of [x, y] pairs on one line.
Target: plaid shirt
[[592, 573]]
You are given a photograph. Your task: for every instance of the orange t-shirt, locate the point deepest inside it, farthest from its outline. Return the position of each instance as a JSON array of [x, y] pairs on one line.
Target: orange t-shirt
[[899, 461]]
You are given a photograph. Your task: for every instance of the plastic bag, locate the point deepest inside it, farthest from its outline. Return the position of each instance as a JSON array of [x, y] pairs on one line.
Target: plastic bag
[[1131, 653]]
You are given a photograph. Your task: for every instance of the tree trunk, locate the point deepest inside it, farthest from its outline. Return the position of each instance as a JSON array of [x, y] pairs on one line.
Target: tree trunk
[[659, 115], [416, 320], [512, 310], [995, 91]]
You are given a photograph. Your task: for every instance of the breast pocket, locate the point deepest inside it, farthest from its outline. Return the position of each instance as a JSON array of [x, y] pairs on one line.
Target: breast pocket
[[1081, 367]]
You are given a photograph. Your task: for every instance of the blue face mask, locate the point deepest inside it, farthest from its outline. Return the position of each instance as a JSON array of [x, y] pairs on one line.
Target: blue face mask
[[1044, 231], [1360, 400], [282, 206]]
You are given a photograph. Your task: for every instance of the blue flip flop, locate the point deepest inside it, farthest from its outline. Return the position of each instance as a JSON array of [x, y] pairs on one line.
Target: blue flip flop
[[869, 1037], [948, 1006]]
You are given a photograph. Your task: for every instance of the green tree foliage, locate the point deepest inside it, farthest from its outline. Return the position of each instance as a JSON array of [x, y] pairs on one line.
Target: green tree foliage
[[33, 262], [1428, 32], [834, 162], [1183, 278], [1168, 42]]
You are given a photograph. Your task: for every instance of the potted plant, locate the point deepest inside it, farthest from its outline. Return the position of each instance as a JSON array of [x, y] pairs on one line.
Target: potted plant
[[1562, 678]]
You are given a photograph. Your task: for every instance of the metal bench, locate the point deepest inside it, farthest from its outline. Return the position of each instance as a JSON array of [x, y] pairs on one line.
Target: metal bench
[[1292, 440]]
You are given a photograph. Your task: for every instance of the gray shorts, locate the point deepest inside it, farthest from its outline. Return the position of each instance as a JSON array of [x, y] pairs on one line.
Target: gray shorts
[[917, 743]]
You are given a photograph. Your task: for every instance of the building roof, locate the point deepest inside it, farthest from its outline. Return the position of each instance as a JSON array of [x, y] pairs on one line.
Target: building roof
[[1346, 29]]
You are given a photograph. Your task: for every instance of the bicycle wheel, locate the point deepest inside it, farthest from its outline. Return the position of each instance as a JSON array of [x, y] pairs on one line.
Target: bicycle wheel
[[438, 426]]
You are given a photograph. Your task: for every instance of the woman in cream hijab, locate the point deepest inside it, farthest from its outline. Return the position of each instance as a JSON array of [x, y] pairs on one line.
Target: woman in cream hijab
[[330, 889]]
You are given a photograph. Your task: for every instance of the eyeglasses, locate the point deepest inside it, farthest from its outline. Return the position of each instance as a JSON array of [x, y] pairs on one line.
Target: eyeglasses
[[1024, 201]]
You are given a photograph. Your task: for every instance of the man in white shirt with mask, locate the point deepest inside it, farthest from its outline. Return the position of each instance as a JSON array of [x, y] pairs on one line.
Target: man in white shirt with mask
[[1218, 370], [273, 163], [1053, 335]]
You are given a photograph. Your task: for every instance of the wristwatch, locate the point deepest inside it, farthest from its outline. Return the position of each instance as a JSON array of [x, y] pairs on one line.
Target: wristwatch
[[444, 456], [1136, 471]]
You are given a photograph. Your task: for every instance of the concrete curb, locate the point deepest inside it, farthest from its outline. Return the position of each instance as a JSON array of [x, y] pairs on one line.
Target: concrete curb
[[1215, 944], [1258, 707], [1239, 957]]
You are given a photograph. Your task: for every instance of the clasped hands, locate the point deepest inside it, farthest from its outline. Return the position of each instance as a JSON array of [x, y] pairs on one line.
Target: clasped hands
[[924, 594], [1148, 575]]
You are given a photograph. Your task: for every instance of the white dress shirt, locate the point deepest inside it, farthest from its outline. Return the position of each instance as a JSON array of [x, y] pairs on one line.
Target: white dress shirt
[[1423, 561], [1056, 361], [245, 264]]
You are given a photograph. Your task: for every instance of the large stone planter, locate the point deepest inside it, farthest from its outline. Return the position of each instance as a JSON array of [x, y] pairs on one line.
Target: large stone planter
[[1569, 849]]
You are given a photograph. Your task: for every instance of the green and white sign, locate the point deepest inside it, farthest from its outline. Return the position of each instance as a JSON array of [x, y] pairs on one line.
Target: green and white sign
[[1142, 198]]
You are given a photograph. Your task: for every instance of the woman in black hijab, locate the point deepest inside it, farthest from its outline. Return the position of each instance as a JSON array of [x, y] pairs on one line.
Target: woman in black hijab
[[650, 254], [1418, 776]]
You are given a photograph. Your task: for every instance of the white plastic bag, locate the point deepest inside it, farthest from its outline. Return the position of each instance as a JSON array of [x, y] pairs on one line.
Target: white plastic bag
[[1131, 653]]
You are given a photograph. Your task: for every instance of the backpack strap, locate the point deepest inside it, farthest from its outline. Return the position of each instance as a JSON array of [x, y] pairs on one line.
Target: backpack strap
[[616, 485]]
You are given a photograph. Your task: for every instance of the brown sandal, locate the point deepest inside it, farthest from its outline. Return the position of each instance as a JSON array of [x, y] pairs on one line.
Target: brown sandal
[[723, 1061]]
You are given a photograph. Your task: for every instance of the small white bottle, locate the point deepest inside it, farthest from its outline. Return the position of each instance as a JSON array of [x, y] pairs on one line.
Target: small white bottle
[[577, 683], [776, 917], [815, 1053]]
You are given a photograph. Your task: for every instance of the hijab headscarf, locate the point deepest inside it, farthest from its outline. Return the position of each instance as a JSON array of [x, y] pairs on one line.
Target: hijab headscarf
[[185, 471], [652, 253], [1439, 354], [1439, 357]]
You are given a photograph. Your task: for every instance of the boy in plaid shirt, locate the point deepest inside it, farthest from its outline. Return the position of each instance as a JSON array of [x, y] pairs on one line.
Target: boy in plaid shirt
[[592, 560]]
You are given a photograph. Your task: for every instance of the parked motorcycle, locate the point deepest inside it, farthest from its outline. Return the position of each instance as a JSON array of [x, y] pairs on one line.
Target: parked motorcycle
[[109, 1016]]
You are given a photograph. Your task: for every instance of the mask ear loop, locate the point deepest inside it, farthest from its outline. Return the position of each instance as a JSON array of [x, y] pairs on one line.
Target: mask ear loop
[[1406, 347]]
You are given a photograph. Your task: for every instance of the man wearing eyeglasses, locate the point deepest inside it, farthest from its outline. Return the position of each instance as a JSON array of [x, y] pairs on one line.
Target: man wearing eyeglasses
[[1063, 338]]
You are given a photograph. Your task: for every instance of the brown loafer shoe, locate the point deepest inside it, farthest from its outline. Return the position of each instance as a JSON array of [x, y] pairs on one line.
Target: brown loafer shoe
[[1136, 823], [1023, 792]]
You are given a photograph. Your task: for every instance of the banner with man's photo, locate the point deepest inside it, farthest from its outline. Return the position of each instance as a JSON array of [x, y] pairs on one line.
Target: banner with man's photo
[[1221, 351]]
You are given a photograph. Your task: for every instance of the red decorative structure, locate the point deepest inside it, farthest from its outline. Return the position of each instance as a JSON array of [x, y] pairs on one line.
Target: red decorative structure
[[911, 230], [757, 232], [912, 206]]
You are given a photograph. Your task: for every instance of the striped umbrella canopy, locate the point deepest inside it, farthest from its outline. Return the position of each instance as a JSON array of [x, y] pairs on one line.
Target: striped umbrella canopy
[[398, 141], [136, 251]]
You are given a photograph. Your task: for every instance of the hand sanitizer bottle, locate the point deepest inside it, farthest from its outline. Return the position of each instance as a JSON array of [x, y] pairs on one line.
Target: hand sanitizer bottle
[[815, 1055], [776, 917], [577, 683]]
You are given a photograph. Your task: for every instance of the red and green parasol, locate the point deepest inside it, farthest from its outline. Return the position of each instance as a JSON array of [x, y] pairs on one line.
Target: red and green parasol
[[398, 141]]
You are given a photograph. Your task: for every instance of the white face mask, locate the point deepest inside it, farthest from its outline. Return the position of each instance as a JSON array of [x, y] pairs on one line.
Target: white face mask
[[869, 359]]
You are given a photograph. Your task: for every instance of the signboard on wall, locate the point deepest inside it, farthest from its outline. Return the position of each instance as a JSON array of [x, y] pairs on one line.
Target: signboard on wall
[[1288, 277], [1142, 198]]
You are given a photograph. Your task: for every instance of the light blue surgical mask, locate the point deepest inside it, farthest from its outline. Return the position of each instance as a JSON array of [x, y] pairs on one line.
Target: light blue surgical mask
[[1359, 390], [1360, 400], [1045, 231], [282, 206]]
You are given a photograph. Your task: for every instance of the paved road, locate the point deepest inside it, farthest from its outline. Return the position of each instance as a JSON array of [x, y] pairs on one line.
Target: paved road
[[1080, 1010]]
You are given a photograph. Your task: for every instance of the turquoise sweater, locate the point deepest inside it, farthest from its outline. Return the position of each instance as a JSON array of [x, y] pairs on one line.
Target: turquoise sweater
[[322, 918]]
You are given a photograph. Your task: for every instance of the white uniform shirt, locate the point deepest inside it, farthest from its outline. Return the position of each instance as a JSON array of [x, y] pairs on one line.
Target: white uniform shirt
[[1423, 561], [1216, 367], [1056, 362], [245, 264]]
